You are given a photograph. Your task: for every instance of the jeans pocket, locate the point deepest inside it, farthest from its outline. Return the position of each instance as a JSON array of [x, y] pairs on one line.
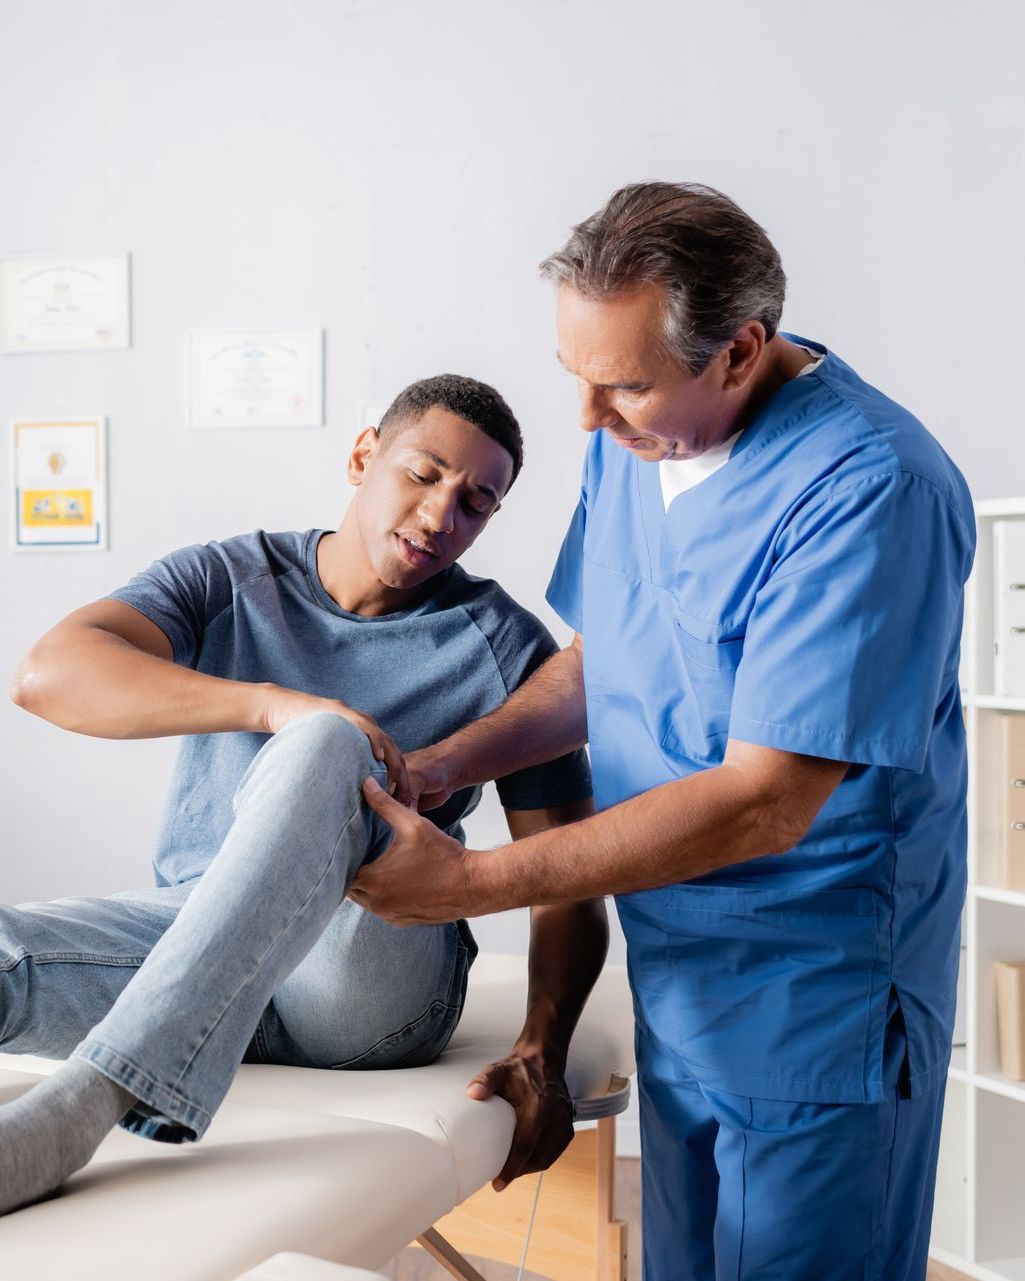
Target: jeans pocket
[[423, 1038], [418, 1043]]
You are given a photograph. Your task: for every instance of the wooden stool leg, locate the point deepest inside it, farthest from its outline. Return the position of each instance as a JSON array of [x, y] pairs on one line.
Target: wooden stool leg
[[449, 1257], [611, 1232]]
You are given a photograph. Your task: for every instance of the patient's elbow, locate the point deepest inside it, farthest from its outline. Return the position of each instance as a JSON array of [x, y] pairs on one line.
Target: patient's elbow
[[27, 684]]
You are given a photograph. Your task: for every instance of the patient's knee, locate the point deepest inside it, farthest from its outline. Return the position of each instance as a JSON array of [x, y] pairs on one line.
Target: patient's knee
[[321, 750], [324, 742]]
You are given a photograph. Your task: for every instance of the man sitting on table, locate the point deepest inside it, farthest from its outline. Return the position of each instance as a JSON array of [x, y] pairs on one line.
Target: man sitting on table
[[294, 665]]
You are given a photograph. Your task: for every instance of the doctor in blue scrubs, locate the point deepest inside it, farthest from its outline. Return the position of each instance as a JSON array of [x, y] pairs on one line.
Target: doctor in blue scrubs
[[765, 575]]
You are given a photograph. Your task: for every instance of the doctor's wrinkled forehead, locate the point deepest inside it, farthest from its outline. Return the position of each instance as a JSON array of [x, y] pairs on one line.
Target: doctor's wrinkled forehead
[[475, 402]]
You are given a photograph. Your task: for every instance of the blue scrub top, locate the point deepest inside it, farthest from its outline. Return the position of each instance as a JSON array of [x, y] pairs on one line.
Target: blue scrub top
[[806, 596]]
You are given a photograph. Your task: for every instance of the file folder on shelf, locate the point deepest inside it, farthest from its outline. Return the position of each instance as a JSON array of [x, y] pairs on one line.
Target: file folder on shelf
[[1011, 844], [1010, 977]]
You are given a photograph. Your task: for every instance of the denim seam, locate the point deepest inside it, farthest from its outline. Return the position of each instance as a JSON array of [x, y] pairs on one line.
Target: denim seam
[[78, 958], [205, 1036], [261, 1041], [434, 1007], [98, 1053]]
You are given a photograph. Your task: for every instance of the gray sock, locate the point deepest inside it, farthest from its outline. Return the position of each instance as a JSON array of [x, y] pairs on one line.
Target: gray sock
[[53, 1130]]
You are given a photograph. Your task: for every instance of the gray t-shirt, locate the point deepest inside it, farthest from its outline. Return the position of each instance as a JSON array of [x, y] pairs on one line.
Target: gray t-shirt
[[253, 608]]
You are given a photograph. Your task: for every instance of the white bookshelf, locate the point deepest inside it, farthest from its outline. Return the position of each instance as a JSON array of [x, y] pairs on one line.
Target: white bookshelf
[[979, 1214]]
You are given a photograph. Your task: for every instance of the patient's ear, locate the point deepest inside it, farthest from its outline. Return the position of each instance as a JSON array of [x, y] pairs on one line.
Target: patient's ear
[[368, 443]]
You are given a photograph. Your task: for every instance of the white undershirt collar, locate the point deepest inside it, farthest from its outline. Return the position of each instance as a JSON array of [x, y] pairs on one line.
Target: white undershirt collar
[[677, 475]]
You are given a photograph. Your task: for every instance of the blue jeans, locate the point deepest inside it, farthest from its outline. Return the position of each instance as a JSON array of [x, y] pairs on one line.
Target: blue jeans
[[262, 959]]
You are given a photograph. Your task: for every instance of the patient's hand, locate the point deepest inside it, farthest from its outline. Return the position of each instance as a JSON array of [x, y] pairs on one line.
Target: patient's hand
[[429, 782], [282, 706], [544, 1111]]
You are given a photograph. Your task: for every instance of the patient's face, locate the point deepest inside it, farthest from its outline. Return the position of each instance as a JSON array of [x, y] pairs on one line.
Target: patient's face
[[426, 492]]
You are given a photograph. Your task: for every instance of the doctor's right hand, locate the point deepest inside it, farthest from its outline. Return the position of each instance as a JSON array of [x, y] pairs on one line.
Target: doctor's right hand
[[282, 706]]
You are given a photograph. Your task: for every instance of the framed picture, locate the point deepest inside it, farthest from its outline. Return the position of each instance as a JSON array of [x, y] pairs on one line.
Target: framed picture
[[59, 484], [63, 302], [254, 378]]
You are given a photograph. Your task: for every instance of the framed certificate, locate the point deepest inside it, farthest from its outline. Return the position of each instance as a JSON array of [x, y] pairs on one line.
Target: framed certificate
[[59, 483], [254, 378], [64, 303]]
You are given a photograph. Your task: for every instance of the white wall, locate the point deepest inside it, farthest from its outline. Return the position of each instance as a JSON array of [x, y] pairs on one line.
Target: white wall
[[393, 171]]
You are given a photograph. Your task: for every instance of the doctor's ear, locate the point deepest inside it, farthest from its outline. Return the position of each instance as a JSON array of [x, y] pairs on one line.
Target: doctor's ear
[[743, 354], [368, 443]]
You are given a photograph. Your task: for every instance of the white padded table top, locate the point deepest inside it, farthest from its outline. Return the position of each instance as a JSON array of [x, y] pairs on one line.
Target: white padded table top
[[261, 1181], [349, 1166], [432, 1100]]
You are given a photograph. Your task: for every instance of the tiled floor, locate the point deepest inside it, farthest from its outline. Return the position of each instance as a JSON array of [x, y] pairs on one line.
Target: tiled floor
[[414, 1265]]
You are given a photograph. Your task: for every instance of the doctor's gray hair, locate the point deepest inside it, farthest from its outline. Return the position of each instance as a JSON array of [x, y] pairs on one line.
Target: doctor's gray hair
[[718, 267]]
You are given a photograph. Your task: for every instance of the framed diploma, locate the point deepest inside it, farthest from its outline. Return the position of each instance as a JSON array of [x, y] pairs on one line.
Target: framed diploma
[[254, 378], [64, 303], [59, 481]]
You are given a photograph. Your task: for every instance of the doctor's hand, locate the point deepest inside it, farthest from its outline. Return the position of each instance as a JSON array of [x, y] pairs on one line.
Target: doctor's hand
[[544, 1111], [422, 878]]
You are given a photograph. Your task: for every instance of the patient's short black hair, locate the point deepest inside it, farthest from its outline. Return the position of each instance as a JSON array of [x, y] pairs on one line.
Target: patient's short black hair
[[473, 401]]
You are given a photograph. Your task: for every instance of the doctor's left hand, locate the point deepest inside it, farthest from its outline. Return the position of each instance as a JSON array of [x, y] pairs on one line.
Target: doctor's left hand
[[422, 877]]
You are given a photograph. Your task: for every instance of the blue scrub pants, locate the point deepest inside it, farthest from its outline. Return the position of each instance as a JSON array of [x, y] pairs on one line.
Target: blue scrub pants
[[748, 1189]]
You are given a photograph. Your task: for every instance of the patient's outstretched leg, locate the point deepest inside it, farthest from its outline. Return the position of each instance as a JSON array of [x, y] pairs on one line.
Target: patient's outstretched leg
[[176, 1035], [53, 1130]]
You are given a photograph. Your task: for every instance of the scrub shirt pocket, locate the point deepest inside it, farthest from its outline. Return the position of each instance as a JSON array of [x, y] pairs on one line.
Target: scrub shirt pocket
[[698, 720], [772, 994]]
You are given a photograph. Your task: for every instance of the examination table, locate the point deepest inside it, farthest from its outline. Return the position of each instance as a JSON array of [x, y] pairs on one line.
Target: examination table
[[348, 1167]]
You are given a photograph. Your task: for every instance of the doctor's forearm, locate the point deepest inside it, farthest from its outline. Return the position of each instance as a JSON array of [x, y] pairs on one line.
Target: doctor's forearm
[[675, 832], [543, 720]]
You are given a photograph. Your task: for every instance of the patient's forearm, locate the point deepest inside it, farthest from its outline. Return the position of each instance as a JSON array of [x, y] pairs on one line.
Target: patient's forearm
[[544, 719], [568, 944], [567, 950], [91, 681]]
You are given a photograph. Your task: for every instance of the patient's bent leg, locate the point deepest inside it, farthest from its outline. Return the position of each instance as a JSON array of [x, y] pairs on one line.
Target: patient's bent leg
[[369, 995], [178, 1032]]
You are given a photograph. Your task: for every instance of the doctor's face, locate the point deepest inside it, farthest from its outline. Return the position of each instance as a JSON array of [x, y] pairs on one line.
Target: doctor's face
[[629, 385]]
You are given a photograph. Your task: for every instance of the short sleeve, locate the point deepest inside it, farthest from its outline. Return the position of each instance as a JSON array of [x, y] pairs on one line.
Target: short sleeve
[[558, 782], [565, 591], [181, 593], [854, 636]]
